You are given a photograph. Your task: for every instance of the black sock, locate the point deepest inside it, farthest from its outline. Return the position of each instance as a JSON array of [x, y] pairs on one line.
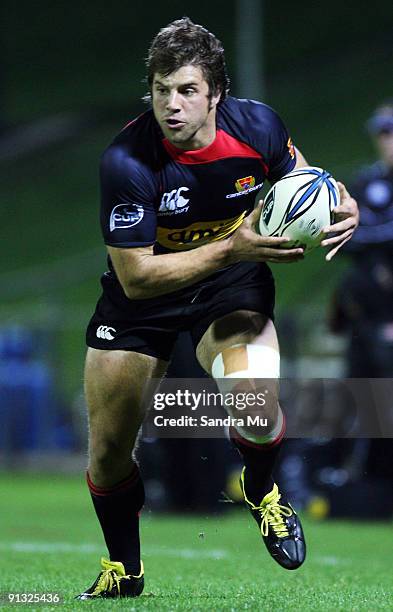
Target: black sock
[[259, 460], [117, 509]]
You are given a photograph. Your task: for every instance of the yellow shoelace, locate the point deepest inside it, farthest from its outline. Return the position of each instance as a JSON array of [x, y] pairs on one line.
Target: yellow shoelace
[[106, 581], [272, 513], [112, 573]]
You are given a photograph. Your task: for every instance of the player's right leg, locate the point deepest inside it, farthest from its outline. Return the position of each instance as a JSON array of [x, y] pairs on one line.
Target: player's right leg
[[114, 385]]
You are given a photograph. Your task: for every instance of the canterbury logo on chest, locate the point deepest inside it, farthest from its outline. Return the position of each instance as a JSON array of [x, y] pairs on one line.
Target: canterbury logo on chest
[[173, 202]]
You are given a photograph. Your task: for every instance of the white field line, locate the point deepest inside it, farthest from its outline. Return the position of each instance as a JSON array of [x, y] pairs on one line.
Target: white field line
[[66, 547], [153, 551], [330, 560]]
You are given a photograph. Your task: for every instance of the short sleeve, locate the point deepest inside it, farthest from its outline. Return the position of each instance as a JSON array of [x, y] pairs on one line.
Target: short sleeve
[[281, 152], [128, 216]]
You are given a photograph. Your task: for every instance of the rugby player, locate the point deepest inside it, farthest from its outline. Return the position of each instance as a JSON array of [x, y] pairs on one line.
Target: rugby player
[[177, 214]]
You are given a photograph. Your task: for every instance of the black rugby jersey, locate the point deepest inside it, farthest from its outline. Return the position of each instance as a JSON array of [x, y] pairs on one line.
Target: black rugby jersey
[[153, 193]]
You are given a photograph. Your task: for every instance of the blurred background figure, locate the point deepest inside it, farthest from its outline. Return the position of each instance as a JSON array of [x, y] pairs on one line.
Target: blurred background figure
[[363, 303]]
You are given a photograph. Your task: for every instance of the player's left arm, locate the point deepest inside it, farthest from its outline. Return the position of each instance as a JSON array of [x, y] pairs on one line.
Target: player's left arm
[[346, 216], [284, 157]]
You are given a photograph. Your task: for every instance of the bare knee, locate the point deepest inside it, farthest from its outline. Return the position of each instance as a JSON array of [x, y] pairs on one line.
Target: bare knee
[[109, 461]]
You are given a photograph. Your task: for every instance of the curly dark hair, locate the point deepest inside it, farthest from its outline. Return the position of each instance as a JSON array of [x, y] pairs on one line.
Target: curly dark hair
[[183, 42]]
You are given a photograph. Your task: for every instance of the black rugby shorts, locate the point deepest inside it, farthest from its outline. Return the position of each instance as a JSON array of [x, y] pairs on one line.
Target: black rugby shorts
[[151, 326]]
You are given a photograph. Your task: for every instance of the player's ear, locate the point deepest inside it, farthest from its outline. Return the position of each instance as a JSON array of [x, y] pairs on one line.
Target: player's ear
[[214, 99]]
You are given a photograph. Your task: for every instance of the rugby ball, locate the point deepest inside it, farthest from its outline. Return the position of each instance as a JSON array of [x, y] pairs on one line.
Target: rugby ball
[[299, 206]]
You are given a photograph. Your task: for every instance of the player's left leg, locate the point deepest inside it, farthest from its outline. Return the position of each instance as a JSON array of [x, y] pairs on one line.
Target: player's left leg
[[240, 350]]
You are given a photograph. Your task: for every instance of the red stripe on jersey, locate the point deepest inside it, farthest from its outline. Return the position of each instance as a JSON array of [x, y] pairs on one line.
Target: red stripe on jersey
[[222, 147]]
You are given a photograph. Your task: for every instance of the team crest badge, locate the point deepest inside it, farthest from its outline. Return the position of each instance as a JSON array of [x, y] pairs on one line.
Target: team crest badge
[[291, 148], [245, 183]]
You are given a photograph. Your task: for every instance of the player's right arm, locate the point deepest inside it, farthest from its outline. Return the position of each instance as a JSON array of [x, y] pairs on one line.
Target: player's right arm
[[128, 221], [143, 274]]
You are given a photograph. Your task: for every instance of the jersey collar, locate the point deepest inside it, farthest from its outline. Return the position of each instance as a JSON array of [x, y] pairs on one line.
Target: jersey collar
[[223, 146]]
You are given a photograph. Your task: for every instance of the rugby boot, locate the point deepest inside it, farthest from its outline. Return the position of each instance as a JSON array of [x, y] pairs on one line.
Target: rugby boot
[[113, 582], [280, 527]]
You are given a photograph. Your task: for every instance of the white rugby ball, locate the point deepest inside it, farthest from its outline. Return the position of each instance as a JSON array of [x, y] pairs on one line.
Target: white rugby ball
[[299, 206]]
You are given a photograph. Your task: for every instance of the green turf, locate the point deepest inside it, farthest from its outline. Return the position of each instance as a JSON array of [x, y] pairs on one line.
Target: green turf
[[50, 542]]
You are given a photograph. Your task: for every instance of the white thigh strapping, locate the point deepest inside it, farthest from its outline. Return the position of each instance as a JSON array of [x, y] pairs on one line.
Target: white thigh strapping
[[263, 362]]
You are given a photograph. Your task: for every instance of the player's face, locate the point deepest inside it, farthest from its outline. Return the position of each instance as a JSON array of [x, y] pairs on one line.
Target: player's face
[[385, 146], [183, 108]]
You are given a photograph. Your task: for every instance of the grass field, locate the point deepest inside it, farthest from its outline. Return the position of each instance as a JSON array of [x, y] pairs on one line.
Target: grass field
[[50, 543]]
